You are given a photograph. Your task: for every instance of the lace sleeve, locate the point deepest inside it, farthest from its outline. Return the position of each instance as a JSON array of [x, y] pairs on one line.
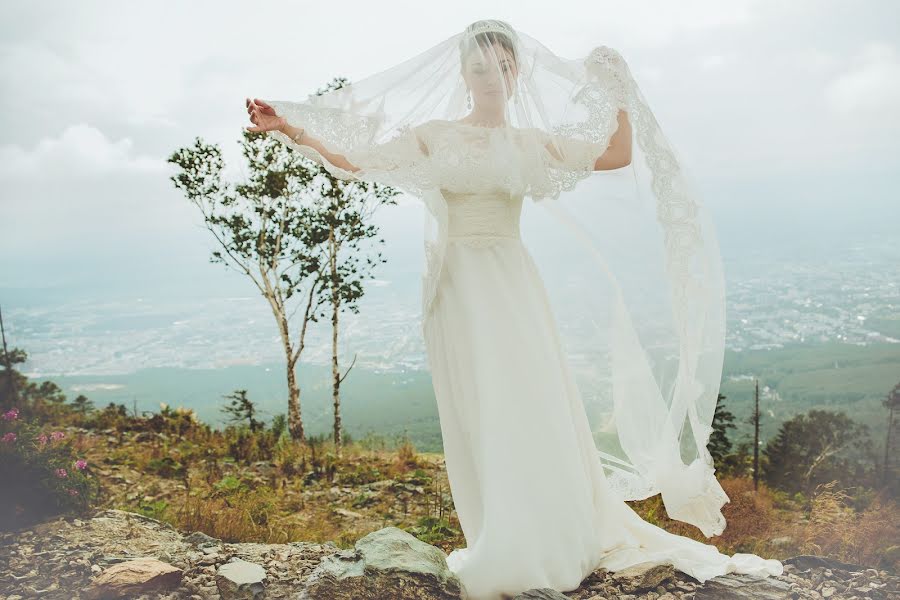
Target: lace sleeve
[[572, 154], [575, 148], [401, 161]]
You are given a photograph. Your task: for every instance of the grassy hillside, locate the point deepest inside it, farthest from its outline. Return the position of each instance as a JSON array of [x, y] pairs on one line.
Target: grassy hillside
[[831, 376], [308, 492]]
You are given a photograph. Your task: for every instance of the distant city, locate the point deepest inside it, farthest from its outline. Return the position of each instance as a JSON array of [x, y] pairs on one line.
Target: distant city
[[853, 297]]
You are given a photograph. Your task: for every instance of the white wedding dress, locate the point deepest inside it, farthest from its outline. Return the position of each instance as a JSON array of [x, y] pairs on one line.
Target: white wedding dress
[[527, 483]]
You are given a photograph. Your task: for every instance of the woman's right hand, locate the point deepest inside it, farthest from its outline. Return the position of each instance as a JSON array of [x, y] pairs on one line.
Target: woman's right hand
[[263, 116]]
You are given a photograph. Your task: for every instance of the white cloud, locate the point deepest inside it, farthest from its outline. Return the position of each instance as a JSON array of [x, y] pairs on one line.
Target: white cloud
[[713, 61], [870, 85], [100, 94], [656, 23], [79, 151]]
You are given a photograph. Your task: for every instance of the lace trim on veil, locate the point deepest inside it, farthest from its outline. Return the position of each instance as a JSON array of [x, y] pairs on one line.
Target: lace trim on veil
[[691, 492]]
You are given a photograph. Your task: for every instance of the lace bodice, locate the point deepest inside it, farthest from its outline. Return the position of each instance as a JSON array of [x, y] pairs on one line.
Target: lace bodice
[[482, 180], [480, 219]]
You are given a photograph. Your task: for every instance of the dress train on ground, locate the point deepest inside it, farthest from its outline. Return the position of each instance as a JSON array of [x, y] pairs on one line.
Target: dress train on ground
[[527, 483]]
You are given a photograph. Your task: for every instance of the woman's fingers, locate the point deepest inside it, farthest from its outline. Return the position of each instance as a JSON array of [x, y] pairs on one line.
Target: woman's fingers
[[264, 107], [255, 109]]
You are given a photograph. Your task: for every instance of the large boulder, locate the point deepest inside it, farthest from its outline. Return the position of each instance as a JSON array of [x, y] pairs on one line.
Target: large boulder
[[387, 564]]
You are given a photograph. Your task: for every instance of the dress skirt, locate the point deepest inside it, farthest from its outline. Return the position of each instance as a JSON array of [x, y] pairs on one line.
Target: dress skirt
[[525, 476]]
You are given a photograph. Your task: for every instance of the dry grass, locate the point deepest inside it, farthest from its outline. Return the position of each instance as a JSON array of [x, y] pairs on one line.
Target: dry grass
[[833, 528], [251, 516], [750, 518], [311, 492], [305, 491], [827, 525]]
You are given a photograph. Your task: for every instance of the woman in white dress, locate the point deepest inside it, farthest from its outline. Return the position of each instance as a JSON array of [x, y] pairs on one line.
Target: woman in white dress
[[528, 476]]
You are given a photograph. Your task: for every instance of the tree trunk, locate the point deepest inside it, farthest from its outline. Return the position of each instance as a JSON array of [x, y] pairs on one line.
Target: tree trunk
[[295, 420], [335, 366], [886, 467]]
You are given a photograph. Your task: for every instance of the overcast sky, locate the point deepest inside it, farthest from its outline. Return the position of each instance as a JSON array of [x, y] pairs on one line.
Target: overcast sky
[[798, 101]]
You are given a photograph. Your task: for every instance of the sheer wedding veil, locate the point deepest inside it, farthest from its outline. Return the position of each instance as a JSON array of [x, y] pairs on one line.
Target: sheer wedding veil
[[628, 255]]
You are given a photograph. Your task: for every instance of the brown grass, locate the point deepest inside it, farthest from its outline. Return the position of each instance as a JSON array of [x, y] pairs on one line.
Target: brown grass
[[833, 528], [750, 518], [308, 489], [307, 492]]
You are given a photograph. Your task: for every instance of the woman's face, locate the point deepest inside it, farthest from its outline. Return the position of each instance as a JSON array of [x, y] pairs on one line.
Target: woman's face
[[490, 73]]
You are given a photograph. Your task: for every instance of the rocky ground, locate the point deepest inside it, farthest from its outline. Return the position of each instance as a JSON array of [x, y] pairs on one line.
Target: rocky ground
[[119, 554]]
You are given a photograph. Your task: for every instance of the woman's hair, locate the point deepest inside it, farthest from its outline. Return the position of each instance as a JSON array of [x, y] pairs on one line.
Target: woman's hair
[[485, 34]]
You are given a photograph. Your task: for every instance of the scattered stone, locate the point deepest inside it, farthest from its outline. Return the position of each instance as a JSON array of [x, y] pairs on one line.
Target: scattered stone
[[241, 580], [61, 560], [132, 578], [644, 576], [201, 540]]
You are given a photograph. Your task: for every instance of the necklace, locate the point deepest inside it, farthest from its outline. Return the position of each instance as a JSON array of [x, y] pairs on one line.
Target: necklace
[[483, 124]]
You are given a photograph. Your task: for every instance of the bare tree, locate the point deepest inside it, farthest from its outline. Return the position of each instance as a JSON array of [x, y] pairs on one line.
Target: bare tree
[[343, 229], [262, 229], [892, 403], [295, 231]]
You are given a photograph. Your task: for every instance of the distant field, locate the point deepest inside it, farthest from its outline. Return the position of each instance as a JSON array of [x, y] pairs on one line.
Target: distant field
[[840, 377], [829, 376]]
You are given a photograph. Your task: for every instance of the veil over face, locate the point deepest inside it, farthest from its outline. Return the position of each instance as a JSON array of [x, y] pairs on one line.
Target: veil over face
[[628, 252]]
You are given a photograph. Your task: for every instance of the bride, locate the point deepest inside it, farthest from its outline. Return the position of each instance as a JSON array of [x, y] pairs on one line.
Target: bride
[[471, 127]]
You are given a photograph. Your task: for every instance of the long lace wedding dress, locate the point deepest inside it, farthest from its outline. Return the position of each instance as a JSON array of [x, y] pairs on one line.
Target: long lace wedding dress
[[528, 479], [532, 498]]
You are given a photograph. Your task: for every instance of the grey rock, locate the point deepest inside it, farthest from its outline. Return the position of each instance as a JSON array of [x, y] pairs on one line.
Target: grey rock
[[241, 580], [200, 539], [805, 562], [387, 564], [644, 576], [743, 587]]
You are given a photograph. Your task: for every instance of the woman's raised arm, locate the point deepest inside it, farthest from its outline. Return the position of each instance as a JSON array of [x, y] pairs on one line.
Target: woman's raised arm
[[618, 154], [583, 155], [264, 118]]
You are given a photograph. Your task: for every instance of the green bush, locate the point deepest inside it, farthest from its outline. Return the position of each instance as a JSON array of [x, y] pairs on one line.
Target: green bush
[[40, 474]]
